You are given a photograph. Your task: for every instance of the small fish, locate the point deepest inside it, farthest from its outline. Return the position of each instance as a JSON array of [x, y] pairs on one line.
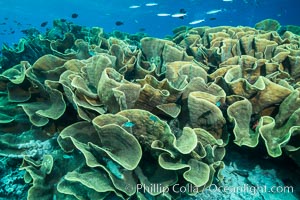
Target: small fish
[[74, 15], [197, 21], [178, 15], [128, 124], [227, 0], [92, 53], [3, 23], [119, 23], [213, 11], [182, 10], [218, 104], [67, 156], [114, 168], [151, 4], [44, 24], [12, 32], [134, 6], [5, 18], [163, 14], [24, 31], [212, 18], [255, 125], [142, 29], [153, 118], [243, 173], [63, 20]]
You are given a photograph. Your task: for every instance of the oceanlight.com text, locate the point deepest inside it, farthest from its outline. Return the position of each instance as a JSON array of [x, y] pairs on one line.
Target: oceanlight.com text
[[189, 188], [251, 189]]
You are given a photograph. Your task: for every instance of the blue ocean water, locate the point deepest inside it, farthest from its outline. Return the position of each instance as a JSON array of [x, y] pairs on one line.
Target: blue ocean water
[[135, 15]]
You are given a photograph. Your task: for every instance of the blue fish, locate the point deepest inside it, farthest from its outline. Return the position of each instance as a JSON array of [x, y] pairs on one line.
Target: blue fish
[[153, 118], [218, 104], [114, 168], [91, 53], [128, 124]]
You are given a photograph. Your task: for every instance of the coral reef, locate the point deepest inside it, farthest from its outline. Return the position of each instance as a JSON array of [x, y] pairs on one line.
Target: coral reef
[[12, 179], [252, 177], [95, 115]]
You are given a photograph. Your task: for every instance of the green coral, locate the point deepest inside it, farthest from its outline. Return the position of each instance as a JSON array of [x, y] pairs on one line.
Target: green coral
[[268, 25], [119, 114]]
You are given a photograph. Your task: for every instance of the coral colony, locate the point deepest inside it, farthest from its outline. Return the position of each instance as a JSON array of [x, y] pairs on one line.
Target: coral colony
[[101, 116]]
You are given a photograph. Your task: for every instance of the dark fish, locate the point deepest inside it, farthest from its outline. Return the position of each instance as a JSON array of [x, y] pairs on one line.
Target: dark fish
[[63, 20], [119, 23], [12, 32], [24, 31], [5, 18], [142, 29], [74, 15], [3, 23], [44, 24], [182, 10], [212, 18], [243, 173]]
